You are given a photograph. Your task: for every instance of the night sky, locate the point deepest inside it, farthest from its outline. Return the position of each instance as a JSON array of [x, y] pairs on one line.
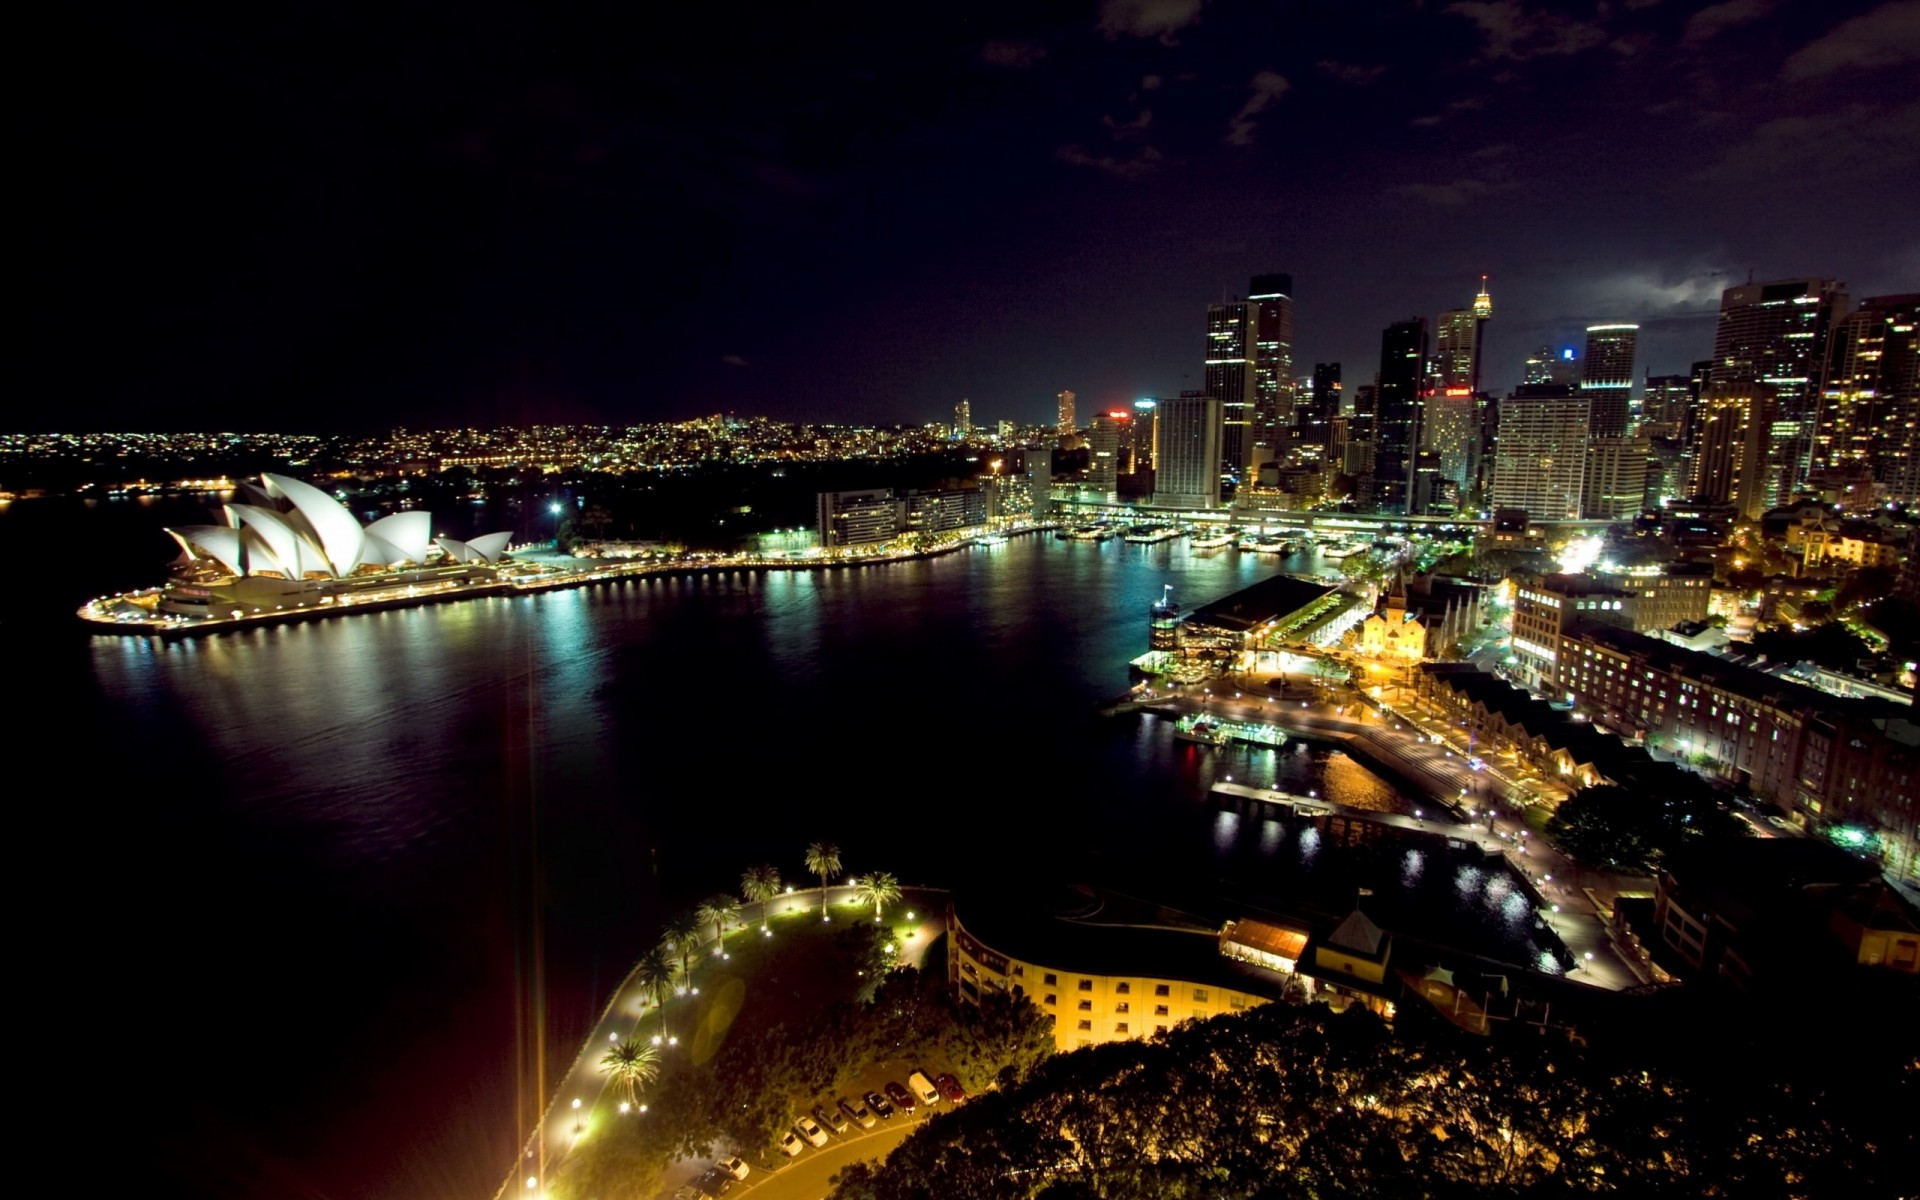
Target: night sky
[[327, 217]]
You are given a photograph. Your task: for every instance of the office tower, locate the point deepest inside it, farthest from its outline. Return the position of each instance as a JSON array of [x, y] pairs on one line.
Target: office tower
[[1036, 467], [1868, 420], [1400, 399], [1663, 405], [1615, 484], [1272, 299], [962, 419], [1106, 434], [1539, 369], [1777, 334], [1456, 338], [1731, 463], [1230, 379], [1186, 470], [1005, 430], [1607, 378], [1323, 405], [1541, 455], [1064, 423], [1144, 431]]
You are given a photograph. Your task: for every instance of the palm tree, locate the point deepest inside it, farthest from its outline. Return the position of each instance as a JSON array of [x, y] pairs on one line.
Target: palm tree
[[680, 936], [878, 889], [759, 885], [823, 859], [633, 1066], [655, 971], [717, 910]]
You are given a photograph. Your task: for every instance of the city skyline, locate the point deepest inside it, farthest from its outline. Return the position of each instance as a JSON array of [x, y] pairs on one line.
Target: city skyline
[[867, 217]]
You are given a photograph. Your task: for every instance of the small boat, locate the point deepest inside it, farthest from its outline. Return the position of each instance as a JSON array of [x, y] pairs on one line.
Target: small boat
[[1211, 541], [1147, 534], [1203, 730]]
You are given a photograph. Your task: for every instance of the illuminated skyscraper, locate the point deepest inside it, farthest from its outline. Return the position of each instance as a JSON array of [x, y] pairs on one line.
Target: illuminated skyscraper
[[1144, 432], [1776, 334], [1452, 426], [1869, 423], [1230, 378], [1664, 403], [1107, 434], [962, 419], [1323, 405], [1456, 342], [1272, 299], [1607, 378], [1539, 367], [1186, 471], [1541, 456], [1065, 422], [1400, 400]]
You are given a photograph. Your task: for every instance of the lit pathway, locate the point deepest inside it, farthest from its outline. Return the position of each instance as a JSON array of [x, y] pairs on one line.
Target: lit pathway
[[586, 1098]]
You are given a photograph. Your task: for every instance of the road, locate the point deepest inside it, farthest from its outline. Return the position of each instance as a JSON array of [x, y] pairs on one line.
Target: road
[[805, 1178]]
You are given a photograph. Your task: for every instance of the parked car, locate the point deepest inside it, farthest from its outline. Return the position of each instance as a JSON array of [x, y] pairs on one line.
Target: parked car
[[831, 1118], [879, 1105], [809, 1129], [857, 1112], [688, 1192], [901, 1097], [922, 1088], [790, 1143], [714, 1182], [950, 1089], [736, 1167]]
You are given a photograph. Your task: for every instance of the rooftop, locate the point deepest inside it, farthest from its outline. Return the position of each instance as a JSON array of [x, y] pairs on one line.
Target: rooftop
[[1270, 599]]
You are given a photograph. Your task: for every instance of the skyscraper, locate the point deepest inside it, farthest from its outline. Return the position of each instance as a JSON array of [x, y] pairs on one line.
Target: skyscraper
[[1868, 420], [1541, 456], [1107, 433], [1456, 342], [1065, 422], [1272, 300], [1230, 378], [1776, 334], [1539, 368], [1323, 405], [1607, 378], [1664, 403], [1186, 472], [1452, 417], [1144, 431], [962, 419], [1730, 454], [1403, 369]]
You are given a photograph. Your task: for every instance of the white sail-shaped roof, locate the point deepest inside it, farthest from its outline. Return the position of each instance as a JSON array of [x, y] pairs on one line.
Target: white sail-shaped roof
[[491, 546], [406, 536], [456, 549], [282, 550], [333, 526], [212, 541]]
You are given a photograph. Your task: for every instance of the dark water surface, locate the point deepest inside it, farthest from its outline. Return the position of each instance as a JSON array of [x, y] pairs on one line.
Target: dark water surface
[[295, 896]]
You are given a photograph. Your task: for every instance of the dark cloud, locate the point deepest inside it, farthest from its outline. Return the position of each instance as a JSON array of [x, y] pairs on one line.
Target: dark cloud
[[1267, 86], [1015, 54], [1147, 18], [1353, 73], [1888, 36], [1717, 18], [733, 360], [1450, 195], [1510, 32]]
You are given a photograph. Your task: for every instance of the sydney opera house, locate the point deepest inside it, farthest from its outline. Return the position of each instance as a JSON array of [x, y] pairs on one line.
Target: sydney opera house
[[289, 545]]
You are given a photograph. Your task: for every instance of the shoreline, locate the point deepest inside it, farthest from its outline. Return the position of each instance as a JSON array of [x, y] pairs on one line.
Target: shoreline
[[170, 630]]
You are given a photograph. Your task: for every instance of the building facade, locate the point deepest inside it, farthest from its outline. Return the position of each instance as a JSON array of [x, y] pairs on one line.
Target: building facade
[[1540, 458], [1400, 401], [1272, 299], [1187, 459], [1607, 376], [1229, 379]]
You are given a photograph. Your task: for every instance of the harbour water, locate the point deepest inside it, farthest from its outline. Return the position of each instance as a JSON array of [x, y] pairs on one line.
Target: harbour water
[[325, 875]]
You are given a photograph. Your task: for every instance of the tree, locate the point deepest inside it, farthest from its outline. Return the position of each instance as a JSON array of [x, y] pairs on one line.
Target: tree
[[759, 885], [879, 889], [655, 972], [682, 936], [717, 910], [1618, 829], [633, 1065], [823, 859]]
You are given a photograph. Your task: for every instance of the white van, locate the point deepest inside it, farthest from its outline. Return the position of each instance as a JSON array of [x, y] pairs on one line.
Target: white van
[[923, 1087]]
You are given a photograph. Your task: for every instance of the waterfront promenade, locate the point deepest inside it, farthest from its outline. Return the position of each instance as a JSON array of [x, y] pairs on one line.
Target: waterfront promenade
[[533, 572], [1575, 900]]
